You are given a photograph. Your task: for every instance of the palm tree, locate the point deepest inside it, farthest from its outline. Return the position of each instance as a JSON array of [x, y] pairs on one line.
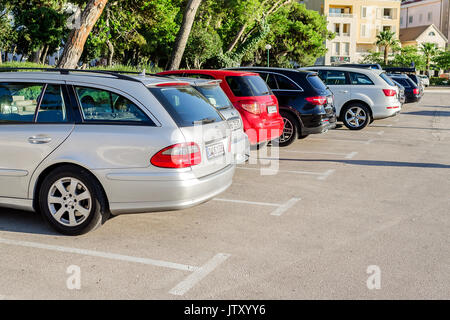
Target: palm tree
[[387, 40], [429, 50]]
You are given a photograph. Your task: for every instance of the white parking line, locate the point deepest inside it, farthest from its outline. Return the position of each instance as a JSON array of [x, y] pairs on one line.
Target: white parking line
[[106, 255], [341, 140], [347, 155], [185, 285], [281, 208], [320, 175]]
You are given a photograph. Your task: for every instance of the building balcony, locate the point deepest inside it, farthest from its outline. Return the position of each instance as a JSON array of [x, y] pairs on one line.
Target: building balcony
[[340, 15]]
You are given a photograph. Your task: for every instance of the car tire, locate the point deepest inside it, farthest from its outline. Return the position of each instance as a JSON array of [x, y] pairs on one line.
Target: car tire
[[290, 130], [72, 201], [356, 116]]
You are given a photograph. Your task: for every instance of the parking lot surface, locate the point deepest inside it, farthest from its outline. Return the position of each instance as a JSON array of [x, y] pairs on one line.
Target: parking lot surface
[[305, 227]]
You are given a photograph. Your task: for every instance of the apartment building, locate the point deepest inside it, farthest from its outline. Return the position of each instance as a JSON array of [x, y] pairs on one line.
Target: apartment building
[[419, 13], [356, 24]]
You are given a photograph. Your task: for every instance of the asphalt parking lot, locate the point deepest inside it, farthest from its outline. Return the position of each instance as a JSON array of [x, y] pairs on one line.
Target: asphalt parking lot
[[305, 227]]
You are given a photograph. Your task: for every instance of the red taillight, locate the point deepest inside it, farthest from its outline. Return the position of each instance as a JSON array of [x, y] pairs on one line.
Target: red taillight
[[318, 101], [389, 92], [251, 107], [181, 155], [416, 91]]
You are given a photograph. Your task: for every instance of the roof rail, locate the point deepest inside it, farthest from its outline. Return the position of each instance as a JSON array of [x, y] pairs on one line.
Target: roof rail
[[117, 74]]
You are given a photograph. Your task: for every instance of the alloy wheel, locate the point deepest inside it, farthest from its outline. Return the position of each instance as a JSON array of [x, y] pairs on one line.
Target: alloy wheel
[[356, 117]]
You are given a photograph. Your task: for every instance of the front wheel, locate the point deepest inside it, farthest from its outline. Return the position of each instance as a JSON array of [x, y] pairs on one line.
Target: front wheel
[[356, 117], [72, 202]]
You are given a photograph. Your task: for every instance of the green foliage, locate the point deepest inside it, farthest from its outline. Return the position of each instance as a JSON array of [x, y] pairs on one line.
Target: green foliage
[[442, 60], [14, 64], [373, 57], [434, 81], [405, 56]]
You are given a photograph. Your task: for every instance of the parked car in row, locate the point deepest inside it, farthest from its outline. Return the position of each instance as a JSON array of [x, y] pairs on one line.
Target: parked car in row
[[211, 89], [251, 96], [360, 95], [306, 104], [425, 79], [401, 93], [79, 146], [412, 90]]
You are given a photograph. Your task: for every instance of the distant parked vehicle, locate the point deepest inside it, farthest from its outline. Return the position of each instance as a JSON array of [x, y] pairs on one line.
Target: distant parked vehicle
[[373, 66], [306, 104], [251, 96], [412, 90], [77, 146], [401, 95], [360, 95], [425, 79], [213, 92]]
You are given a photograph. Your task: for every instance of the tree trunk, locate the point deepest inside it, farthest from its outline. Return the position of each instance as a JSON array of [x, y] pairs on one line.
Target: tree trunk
[[37, 56], [108, 42], [183, 34], [386, 55], [237, 38], [44, 54], [77, 38]]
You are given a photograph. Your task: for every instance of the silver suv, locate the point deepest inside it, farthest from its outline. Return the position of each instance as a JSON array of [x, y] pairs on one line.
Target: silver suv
[[360, 95], [79, 146]]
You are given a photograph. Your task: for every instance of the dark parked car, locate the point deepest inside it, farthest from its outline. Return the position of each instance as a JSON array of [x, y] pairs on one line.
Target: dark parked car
[[306, 104], [401, 94], [412, 90]]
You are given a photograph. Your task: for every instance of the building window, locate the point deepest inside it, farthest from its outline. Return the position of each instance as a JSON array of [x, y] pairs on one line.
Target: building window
[[410, 19], [336, 48], [363, 31], [430, 16], [401, 21], [432, 34], [337, 28], [364, 12], [420, 17], [346, 49]]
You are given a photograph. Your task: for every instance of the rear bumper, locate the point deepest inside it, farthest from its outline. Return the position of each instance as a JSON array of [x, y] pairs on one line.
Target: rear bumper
[[386, 112], [240, 146], [319, 124], [136, 192], [265, 130]]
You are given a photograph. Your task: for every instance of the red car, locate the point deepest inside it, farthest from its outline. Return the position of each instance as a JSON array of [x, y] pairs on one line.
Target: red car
[[251, 96]]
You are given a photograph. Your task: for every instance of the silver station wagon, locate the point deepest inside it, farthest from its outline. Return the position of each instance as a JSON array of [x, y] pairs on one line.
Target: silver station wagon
[[79, 146]]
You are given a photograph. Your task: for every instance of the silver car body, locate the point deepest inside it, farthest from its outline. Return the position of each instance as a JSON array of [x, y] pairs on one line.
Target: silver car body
[[117, 155], [240, 143], [372, 95]]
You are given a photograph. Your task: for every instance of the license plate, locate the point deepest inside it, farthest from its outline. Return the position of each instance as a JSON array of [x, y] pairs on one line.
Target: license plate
[[215, 150], [271, 109]]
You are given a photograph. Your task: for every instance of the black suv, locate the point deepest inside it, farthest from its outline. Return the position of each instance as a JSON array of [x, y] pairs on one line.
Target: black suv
[[413, 92], [306, 104]]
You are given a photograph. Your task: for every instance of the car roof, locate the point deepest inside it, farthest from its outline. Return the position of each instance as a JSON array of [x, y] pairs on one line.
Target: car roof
[[212, 72], [272, 69], [197, 82], [83, 76], [348, 69]]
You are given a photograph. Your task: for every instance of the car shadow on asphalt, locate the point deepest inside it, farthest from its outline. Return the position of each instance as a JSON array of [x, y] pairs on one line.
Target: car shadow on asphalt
[[23, 222], [375, 163]]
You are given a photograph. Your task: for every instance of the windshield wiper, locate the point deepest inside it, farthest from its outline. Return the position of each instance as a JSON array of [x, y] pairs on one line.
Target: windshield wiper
[[205, 121]]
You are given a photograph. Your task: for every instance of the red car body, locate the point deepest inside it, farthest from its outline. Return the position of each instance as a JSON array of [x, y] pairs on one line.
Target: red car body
[[259, 110]]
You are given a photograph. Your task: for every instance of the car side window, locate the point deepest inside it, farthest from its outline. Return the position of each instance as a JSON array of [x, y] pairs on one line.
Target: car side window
[[52, 108], [286, 84], [333, 77], [360, 79], [19, 101], [101, 105], [270, 80]]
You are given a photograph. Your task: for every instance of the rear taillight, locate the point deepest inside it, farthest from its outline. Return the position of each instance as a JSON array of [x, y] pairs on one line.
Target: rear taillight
[[389, 92], [318, 101], [251, 107], [181, 155], [416, 91]]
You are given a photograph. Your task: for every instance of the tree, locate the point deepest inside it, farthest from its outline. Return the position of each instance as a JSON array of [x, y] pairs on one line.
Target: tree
[[387, 40], [77, 38], [429, 50], [407, 56], [442, 60], [183, 34]]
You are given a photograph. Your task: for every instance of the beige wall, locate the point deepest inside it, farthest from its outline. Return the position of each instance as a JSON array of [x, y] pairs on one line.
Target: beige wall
[[422, 14]]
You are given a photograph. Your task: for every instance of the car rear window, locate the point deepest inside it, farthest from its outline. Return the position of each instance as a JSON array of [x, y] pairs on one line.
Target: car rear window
[[386, 78], [405, 82], [317, 83], [186, 105], [215, 95], [248, 86]]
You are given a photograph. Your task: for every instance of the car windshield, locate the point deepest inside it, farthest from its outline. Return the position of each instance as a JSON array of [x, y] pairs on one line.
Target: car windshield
[[186, 105], [216, 96], [318, 84], [248, 86], [386, 78]]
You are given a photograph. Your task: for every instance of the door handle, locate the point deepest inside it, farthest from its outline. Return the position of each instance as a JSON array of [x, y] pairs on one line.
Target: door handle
[[39, 139]]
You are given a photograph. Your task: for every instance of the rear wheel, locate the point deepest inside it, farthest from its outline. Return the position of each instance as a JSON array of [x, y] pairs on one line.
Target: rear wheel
[[72, 202], [290, 130], [356, 117]]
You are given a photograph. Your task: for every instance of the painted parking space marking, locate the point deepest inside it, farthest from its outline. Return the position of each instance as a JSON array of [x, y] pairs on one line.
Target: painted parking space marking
[[198, 275], [280, 208], [341, 140], [320, 175], [350, 155], [198, 272]]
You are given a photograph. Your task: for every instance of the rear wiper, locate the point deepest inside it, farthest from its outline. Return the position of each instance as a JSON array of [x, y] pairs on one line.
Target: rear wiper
[[205, 121]]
